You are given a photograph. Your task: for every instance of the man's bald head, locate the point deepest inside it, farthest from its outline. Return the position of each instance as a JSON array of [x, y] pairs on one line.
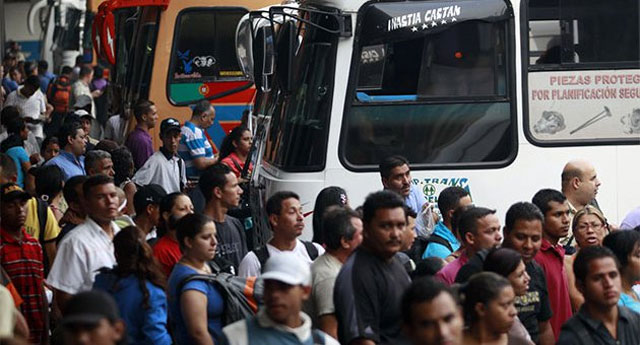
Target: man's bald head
[[580, 182]]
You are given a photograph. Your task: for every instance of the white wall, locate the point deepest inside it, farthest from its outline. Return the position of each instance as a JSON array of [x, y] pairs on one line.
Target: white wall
[[15, 22]]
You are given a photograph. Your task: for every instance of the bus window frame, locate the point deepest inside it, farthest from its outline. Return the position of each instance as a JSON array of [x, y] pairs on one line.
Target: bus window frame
[[279, 95], [172, 59], [511, 98], [526, 69]]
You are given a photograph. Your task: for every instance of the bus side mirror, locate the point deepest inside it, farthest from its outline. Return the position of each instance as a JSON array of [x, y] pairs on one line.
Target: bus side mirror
[[264, 62]]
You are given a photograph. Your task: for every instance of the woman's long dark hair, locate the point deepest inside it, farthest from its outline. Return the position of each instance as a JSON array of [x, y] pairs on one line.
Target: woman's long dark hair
[[49, 182], [135, 257], [329, 196], [227, 143], [502, 261], [14, 127], [166, 205], [482, 288]]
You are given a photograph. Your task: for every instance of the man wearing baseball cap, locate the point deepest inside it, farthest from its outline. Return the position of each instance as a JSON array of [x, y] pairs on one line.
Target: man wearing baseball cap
[[21, 257], [92, 317], [164, 167], [287, 283], [83, 108], [146, 202]]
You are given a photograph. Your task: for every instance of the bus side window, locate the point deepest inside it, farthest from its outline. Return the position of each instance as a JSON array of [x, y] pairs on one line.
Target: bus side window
[[203, 52], [583, 31]]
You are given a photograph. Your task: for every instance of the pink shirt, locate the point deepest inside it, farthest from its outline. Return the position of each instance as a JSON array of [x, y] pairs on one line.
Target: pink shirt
[[448, 273]]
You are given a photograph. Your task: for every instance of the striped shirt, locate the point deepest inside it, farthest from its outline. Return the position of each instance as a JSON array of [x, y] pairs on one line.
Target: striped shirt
[[22, 260], [193, 144]]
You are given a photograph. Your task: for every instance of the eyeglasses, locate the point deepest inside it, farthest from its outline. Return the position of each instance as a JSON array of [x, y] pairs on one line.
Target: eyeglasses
[[585, 226]]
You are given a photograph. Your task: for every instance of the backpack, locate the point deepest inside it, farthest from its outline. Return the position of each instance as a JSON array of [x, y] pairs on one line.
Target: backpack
[[421, 243], [43, 215], [241, 295], [263, 254], [59, 93]]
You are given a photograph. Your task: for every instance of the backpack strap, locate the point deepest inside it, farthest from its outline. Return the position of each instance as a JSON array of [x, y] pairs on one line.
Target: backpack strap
[[262, 254], [439, 240], [318, 337], [42, 208], [311, 250]]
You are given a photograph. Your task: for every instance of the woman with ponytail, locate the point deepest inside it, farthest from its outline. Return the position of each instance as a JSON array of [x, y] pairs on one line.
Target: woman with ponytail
[[488, 301], [137, 284]]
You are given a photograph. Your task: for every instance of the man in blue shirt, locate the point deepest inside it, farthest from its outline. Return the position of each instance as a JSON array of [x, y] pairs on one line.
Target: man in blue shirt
[[194, 146], [449, 200], [45, 76], [396, 176], [71, 159]]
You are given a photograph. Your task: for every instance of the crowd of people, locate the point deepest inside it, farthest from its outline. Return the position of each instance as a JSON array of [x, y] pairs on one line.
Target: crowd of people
[[106, 241]]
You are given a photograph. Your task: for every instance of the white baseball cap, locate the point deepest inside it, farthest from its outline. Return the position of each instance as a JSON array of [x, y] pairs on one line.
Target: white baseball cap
[[288, 268]]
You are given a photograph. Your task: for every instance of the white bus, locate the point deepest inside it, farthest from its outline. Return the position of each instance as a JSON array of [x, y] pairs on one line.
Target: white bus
[[494, 96]]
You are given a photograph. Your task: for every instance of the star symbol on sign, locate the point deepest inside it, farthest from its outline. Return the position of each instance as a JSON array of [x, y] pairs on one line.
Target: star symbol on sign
[[425, 26], [110, 41], [453, 20], [434, 24], [414, 29], [443, 22]]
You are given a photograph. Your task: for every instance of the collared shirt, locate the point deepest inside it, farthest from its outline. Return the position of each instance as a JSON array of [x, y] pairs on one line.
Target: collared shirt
[[551, 259], [448, 273], [415, 199], [33, 107], [260, 329], [22, 260], [141, 146], [628, 329], [164, 169], [437, 249], [193, 144], [81, 254], [69, 164]]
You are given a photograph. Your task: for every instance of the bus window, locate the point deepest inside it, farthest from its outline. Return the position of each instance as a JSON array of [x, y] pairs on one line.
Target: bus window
[[435, 91], [203, 51], [571, 32], [297, 140], [582, 72], [141, 55]]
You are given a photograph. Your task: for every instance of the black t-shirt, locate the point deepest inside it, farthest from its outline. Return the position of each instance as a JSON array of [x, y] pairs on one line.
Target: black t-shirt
[[534, 306], [367, 296], [232, 245]]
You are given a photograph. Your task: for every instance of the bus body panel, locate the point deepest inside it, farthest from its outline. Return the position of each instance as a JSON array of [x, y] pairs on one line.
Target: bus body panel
[[229, 108], [534, 167]]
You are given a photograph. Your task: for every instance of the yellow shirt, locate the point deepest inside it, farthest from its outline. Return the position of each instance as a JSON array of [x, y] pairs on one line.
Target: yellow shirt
[[32, 225]]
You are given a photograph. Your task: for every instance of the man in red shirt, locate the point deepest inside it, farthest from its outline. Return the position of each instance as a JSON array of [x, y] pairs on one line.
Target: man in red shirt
[[21, 258], [550, 257]]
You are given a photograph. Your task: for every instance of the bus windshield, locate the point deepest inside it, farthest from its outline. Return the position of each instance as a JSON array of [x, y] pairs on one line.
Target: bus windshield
[[432, 84], [300, 117]]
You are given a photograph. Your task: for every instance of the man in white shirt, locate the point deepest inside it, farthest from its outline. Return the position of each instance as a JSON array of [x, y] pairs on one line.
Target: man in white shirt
[[88, 247], [287, 222], [165, 167], [32, 105], [81, 87], [287, 283]]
